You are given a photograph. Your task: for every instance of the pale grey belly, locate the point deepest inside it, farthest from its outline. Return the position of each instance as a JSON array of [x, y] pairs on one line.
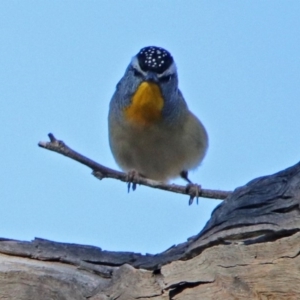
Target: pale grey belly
[[159, 153]]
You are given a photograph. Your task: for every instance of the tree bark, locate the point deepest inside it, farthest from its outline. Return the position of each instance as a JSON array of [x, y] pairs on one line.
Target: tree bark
[[249, 249]]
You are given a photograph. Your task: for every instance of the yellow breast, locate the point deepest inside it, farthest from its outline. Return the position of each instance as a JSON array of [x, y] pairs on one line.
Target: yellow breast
[[146, 104]]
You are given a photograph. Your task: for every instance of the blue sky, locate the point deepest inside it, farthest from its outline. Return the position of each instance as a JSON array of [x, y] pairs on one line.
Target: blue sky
[[238, 64]]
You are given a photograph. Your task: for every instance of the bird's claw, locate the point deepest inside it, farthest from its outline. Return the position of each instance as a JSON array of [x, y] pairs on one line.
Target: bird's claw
[[193, 190], [133, 178]]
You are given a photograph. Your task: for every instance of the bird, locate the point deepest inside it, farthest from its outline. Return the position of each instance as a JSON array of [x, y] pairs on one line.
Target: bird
[[151, 129]]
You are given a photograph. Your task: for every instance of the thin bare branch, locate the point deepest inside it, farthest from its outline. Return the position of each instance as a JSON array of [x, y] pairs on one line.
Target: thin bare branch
[[100, 172]]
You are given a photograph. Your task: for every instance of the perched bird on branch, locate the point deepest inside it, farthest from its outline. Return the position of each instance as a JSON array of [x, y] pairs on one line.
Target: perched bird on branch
[[151, 129]]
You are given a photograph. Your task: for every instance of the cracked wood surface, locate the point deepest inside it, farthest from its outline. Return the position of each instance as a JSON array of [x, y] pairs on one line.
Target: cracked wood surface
[[249, 249]]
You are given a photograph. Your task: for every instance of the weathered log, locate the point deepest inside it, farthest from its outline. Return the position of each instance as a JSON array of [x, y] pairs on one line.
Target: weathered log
[[249, 249]]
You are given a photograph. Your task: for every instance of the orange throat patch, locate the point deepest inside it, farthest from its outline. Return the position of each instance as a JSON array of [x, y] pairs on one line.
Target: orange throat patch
[[146, 105]]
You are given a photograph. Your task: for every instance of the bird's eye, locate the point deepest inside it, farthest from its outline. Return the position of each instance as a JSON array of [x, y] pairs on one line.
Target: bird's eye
[[166, 78], [137, 73]]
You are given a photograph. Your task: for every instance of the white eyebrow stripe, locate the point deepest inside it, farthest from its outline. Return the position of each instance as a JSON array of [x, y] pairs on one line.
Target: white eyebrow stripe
[[135, 64], [170, 71]]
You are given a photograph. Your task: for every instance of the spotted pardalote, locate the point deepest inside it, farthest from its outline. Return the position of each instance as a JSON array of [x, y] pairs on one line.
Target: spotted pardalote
[[151, 129]]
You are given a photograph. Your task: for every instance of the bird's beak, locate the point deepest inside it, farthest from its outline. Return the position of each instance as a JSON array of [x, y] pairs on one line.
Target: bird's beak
[[152, 77]]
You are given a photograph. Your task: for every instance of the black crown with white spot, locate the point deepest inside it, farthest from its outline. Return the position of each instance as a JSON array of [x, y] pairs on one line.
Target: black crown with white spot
[[154, 59]]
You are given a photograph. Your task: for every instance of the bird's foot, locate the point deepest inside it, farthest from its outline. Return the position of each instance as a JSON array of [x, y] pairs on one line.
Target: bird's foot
[[133, 178], [194, 191]]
